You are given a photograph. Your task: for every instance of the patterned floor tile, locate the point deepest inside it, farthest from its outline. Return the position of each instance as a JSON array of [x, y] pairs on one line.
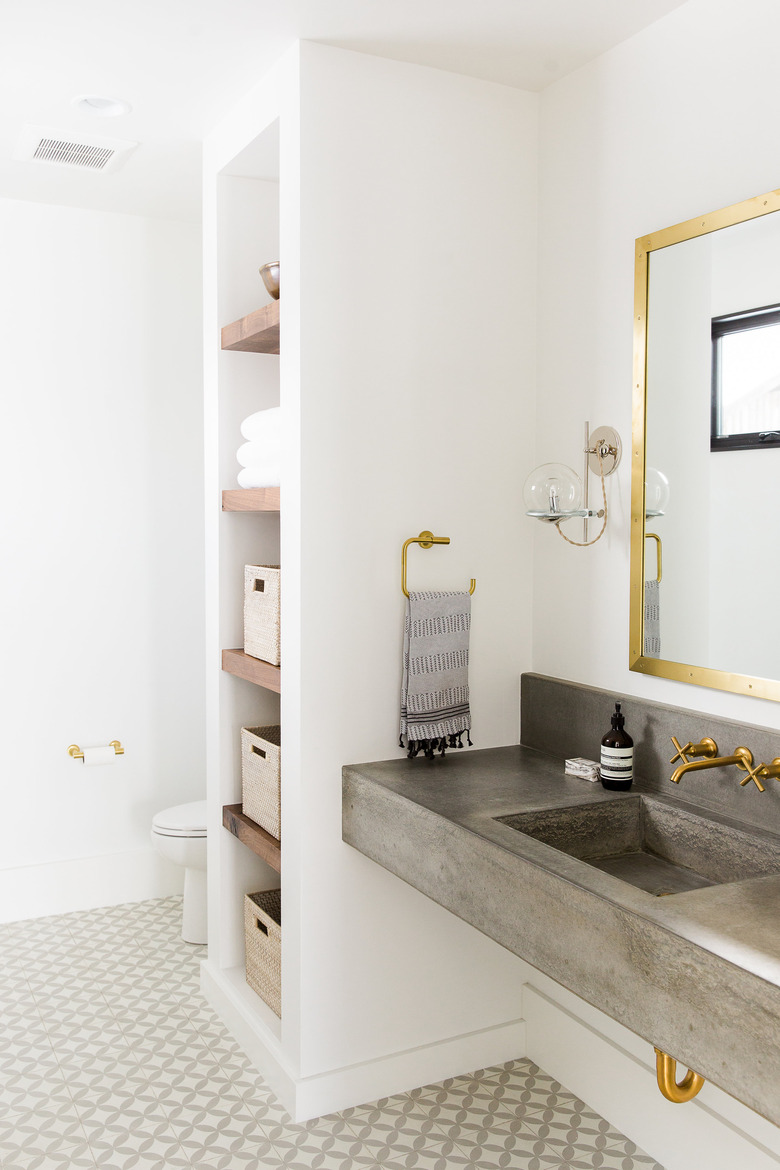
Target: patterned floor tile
[[65, 1161], [22, 1093], [240, 1159], [247, 1085], [15, 991], [231, 1140], [130, 1109], [30, 1140], [110, 1059], [121, 1146], [55, 1098], [302, 1151], [19, 1044], [628, 1150], [566, 1125], [573, 1159]]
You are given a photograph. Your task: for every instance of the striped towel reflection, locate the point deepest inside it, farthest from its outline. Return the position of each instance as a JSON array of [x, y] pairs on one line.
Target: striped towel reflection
[[652, 625]]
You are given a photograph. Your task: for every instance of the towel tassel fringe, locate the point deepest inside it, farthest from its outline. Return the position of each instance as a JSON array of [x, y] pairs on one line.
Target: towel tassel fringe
[[429, 747]]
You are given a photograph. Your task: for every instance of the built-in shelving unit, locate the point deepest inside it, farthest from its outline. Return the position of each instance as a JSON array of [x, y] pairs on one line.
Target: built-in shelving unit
[[251, 500], [241, 219], [258, 332], [283, 174], [252, 835]]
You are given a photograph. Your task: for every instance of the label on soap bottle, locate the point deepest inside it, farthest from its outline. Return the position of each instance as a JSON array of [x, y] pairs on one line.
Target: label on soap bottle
[[617, 763]]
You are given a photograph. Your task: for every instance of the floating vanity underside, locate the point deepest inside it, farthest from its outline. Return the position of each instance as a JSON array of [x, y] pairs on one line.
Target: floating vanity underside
[[696, 974]]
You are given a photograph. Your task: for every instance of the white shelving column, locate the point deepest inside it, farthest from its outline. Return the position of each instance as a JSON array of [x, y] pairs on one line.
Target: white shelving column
[[406, 386]]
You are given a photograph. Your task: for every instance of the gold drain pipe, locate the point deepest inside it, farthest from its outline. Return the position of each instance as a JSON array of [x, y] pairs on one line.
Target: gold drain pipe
[[666, 1070]]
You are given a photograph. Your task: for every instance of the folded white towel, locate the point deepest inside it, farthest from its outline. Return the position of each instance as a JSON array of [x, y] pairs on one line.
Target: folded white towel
[[257, 477], [259, 452], [263, 424]]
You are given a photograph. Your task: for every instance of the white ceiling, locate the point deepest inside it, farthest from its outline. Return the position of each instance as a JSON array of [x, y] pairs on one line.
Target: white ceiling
[[182, 63]]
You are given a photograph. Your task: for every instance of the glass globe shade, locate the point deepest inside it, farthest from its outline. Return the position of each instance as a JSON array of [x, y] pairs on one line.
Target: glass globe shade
[[656, 492], [551, 491]]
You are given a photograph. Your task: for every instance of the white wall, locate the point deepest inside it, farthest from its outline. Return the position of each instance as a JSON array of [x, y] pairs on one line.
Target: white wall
[[675, 122], [417, 274], [101, 591]]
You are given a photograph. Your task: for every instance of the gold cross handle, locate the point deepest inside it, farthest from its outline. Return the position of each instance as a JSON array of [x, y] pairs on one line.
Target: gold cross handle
[[705, 747], [753, 774], [768, 771], [680, 752]]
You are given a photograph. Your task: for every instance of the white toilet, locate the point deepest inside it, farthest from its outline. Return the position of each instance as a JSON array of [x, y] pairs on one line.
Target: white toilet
[[179, 833]]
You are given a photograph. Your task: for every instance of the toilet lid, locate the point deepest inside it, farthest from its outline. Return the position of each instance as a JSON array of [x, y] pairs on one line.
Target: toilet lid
[[183, 820]]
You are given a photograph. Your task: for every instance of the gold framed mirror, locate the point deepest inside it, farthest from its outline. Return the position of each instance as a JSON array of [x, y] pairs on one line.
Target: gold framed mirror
[[705, 480]]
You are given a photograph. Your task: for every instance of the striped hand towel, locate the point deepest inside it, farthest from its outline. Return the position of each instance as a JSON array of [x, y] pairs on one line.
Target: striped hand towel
[[435, 689], [652, 627]]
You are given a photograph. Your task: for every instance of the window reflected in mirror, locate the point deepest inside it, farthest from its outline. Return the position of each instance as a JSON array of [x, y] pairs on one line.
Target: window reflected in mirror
[[746, 380]]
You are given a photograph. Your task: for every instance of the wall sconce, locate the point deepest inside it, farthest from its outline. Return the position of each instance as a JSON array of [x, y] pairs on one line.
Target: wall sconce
[[554, 493]]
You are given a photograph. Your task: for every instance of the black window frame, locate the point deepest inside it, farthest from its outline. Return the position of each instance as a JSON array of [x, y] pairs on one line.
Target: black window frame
[[741, 322]]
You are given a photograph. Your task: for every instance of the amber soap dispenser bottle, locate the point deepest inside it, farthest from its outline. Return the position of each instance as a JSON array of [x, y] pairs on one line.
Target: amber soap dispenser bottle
[[617, 755]]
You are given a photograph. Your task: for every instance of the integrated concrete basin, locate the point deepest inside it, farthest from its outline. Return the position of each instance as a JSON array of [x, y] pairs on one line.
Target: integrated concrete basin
[[651, 844], [508, 843]]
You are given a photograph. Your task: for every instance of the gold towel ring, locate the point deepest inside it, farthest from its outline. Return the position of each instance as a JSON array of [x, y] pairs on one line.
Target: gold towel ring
[[654, 536], [425, 540]]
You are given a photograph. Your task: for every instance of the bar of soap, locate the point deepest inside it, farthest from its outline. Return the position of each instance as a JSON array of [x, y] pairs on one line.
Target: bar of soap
[[584, 769]]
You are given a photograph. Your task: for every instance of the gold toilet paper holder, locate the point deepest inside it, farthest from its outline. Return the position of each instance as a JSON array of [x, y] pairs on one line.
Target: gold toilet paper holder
[[75, 752]]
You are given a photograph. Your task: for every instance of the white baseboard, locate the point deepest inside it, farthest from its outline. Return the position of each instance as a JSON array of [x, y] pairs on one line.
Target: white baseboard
[[85, 883], [357, 1084], [258, 1032], [615, 1075]]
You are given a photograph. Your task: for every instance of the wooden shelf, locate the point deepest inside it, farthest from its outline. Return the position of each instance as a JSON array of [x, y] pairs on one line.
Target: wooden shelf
[[254, 670], [256, 333], [251, 835], [251, 500]]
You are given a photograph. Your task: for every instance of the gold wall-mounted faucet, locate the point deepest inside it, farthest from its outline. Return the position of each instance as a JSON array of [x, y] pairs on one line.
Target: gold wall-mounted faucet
[[742, 757]]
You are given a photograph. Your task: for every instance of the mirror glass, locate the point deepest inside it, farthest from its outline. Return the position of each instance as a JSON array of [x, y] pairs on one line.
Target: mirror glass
[[706, 483]]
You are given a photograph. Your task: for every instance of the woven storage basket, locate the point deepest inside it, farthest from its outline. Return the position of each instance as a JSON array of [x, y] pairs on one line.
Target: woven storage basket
[[261, 753], [261, 612], [263, 934]]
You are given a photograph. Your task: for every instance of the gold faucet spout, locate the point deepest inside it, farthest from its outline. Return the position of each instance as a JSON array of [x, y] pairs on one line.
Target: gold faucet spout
[[743, 758]]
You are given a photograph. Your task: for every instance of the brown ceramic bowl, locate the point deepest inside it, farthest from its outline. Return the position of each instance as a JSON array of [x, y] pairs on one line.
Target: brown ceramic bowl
[[270, 275]]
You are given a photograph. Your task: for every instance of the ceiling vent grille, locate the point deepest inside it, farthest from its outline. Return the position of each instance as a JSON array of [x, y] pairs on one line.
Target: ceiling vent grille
[[60, 148], [74, 154]]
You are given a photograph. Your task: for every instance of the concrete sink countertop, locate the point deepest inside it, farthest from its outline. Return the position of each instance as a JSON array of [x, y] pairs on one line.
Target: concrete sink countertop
[[696, 974]]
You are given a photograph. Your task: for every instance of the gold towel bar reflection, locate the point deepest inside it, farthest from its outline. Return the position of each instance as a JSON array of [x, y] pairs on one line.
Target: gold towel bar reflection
[[666, 1071], [77, 754], [654, 536], [425, 540]]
